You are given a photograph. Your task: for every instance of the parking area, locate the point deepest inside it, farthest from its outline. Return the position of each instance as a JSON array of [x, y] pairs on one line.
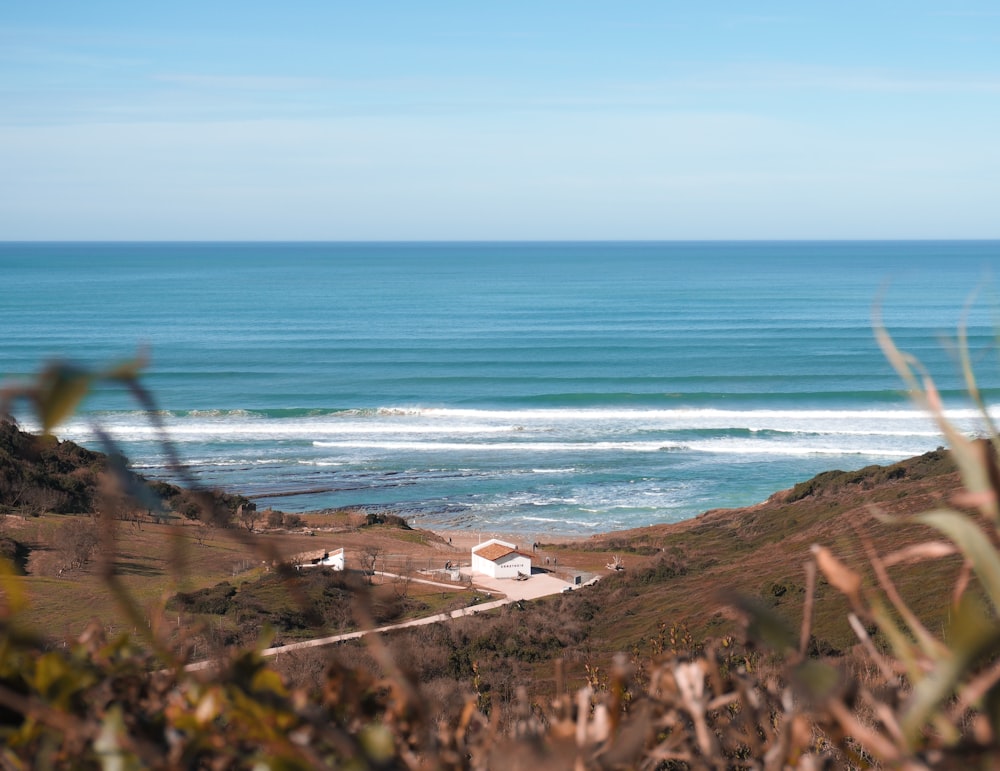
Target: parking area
[[539, 585]]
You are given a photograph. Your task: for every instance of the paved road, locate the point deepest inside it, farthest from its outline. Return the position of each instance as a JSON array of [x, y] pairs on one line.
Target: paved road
[[539, 585]]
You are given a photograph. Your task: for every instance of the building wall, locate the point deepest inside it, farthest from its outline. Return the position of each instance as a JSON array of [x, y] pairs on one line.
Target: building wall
[[510, 566], [484, 566]]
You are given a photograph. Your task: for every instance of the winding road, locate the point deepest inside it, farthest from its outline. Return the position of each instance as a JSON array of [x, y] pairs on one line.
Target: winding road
[[539, 585]]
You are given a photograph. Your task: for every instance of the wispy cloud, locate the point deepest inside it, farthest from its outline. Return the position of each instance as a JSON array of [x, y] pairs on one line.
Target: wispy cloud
[[245, 82], [917, 84], [793, 76]]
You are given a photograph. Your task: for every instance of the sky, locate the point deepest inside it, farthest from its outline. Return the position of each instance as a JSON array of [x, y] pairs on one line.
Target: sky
[[499, 121]]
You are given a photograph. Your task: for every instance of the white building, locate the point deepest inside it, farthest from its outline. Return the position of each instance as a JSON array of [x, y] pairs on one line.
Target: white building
[[499, 559], [327, 559]]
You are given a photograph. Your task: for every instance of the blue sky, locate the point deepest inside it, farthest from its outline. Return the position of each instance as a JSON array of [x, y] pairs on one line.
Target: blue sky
[[514, 120]]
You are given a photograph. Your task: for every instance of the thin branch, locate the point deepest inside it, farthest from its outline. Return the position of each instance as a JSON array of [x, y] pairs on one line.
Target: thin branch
[[807, 610]]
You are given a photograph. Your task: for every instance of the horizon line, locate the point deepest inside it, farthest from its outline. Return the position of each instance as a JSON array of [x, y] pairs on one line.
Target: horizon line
[[513, 241]]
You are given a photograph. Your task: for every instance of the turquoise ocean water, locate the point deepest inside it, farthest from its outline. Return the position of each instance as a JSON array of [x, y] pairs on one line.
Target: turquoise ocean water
[[536, 388]]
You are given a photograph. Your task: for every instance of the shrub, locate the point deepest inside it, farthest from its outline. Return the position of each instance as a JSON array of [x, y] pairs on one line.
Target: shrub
[[76, 541], [215, 600], [381, 518]]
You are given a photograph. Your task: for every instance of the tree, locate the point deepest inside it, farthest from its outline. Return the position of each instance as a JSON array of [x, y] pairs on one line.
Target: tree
[[248, 515], [35, 501], [404, 577], [76, 542], [369, 556]]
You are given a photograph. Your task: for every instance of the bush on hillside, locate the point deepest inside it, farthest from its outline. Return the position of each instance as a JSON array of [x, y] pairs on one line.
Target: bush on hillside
[[933, 463], [381, 518]]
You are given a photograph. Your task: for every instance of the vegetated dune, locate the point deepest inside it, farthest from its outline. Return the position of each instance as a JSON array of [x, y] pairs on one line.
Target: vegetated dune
[[681, 573]]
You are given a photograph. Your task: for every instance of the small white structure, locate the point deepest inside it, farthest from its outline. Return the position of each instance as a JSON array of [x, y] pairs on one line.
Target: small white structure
[[334, 559], [500, 559], [325, 559]]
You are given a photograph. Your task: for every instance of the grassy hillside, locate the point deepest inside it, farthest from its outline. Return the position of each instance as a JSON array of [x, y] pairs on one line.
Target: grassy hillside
[[153, 562], [681, 573]]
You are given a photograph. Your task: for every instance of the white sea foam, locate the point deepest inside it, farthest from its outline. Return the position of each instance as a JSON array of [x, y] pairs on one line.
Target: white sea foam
[[587, 524], [557, 469], [506, 447], [189, 430], [869, 432], [692, 415], [882, 433], [719, 446], [587, 424]]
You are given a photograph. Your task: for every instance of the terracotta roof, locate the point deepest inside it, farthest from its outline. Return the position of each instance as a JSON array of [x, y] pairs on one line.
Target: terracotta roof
[[493, 551]]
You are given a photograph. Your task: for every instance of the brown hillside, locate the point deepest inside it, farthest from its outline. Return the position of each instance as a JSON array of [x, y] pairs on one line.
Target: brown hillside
[[679, 573]]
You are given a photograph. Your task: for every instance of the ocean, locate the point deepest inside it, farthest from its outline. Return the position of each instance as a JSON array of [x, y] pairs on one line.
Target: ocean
[[535, 388]]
